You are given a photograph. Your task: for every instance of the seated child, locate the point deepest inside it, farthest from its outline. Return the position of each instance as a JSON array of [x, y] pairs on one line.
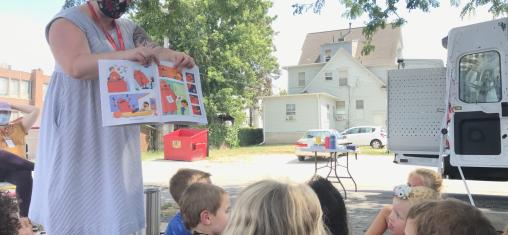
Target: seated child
[[405, 197], [273, 208], [178, 183], [205, 209], [449, 216], [419, 177], [332, 204], [9, 222]]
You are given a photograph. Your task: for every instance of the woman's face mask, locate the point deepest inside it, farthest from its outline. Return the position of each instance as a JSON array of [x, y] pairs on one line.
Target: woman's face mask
[[113, 8], [5, 117]]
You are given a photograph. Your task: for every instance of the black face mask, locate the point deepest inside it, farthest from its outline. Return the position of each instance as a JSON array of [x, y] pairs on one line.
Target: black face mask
[[113, 8]]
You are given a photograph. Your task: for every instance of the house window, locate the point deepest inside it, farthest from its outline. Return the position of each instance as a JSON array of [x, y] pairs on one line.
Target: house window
[[328, 76], [359, 104], [340, 107], [14, 88], [343, 74], [301, 79], [290, 109], [328, 55], [25, 89], [4, 82]]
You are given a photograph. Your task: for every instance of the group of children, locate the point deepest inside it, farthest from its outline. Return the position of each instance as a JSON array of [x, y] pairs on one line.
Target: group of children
[[315, 208]]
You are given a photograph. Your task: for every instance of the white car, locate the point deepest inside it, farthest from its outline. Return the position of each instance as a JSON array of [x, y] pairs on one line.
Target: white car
[[375, 136], [309, 139]]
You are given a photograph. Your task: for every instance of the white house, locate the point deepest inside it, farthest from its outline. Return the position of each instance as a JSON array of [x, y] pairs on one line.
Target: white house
[[334, 85]]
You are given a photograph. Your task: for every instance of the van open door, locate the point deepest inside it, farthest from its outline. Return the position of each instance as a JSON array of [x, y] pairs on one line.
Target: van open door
[[416, 107], [478, 129]]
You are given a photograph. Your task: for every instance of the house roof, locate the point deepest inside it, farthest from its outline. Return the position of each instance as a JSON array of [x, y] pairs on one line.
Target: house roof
[[385, 42], [342, 53]]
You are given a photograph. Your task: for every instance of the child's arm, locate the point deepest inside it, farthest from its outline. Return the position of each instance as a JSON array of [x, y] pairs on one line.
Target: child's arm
[[379, 225], [30, 115]]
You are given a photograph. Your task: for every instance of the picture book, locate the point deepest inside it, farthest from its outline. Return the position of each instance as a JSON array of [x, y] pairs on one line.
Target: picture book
[[132, 93]]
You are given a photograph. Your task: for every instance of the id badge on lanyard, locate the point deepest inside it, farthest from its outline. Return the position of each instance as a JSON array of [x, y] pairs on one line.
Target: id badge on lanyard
[[9, 142]]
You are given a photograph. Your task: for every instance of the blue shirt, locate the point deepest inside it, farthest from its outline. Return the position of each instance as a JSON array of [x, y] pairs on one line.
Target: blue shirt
[[176, 227]]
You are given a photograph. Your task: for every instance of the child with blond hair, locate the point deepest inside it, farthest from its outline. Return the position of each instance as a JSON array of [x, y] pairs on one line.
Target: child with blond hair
[[275, 208], [205, 209], [403, 198], [177, 185], [449, 216], [419, 177]]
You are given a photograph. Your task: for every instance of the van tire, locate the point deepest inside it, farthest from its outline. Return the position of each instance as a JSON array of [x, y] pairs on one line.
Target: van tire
[[376, 144], [301, 158]]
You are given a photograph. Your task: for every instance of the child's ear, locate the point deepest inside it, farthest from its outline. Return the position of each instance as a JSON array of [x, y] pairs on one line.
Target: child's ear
[[204, 217]]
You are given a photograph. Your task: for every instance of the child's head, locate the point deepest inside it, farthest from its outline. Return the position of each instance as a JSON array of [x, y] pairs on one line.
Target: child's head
[[185, 177], [205, 208], [271, 207], [9, 223], [425, 177], [184, 103], [332, 204], [447, 217], [404, 198]]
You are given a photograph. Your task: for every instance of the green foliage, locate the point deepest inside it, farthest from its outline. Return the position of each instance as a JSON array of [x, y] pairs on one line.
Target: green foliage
[[231, 41], [250, 136], [383, 13], [71, 3]]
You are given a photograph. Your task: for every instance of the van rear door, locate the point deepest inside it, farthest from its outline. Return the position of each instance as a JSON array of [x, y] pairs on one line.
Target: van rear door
[[477, 58], [416, 108]]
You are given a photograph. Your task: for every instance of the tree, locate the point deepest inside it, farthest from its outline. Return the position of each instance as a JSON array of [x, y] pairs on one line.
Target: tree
[[231, 41], [383, 13]]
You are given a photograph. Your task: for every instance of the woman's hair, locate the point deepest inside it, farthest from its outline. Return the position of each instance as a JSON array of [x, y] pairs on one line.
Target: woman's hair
[[449, 216], [332, 204], [197, 198], [275, 208], [9, 223], [430, 178]]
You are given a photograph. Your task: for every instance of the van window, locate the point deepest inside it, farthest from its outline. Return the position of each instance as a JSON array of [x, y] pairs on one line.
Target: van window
[[480, 77]]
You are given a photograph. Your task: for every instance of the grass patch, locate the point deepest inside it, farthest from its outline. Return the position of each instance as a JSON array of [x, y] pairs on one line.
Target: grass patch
[[147, 156], [247, 152], [229, 154], [367, 150]]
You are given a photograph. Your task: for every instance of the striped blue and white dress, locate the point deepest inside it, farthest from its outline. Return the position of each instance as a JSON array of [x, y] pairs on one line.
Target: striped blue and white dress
[[87, 177]]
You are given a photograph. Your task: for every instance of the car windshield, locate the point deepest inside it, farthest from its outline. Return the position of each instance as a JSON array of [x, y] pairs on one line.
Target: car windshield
[[312, 134]]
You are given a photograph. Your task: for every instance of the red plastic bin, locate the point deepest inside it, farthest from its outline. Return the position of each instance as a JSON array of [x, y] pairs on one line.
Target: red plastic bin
[[186, 145]]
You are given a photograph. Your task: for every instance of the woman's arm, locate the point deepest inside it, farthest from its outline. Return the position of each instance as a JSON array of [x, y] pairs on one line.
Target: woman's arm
[[141, 38], [70, 49], [30, 115], [379, 224]]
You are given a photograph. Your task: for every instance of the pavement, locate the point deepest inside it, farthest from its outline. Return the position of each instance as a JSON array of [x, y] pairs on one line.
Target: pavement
[[375, 176]]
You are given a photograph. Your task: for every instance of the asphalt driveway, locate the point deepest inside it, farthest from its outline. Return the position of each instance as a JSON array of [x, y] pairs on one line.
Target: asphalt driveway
[[375, 177]]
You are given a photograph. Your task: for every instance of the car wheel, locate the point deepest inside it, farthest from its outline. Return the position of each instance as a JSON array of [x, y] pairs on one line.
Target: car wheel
[[376, 144], [301, 158]]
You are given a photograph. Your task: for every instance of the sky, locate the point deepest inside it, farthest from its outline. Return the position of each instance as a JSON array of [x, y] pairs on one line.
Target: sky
[[23, 44]]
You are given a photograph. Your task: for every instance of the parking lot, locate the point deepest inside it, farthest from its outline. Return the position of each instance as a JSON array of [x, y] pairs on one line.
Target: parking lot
[[375, 176]]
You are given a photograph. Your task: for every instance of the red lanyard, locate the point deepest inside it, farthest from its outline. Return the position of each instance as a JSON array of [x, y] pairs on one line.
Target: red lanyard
[[106, 34]]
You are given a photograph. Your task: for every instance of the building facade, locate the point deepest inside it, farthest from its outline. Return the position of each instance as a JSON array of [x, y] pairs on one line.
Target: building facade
[[334, 86]]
